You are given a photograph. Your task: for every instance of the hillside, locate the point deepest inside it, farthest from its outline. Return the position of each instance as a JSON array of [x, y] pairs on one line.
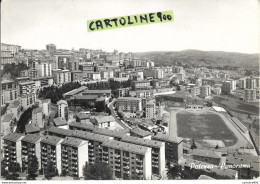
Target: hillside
[[205, 58]]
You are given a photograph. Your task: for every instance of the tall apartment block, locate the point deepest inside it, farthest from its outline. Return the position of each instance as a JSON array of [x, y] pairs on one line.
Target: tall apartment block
[[94, 144], [128, 161], [51, 152], [129, 104], [74, 156], [12, 148], [173, 147], [158, 152], [31, 147]]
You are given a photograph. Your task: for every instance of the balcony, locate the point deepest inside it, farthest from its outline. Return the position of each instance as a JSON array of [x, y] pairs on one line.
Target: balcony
[[24, 147], [44, 148], [64, 150], [117, 156], [126, 168], [6, 153], [154, 165], [74, 158]]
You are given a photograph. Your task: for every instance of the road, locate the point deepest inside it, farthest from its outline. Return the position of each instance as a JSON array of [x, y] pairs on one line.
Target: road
[[110, 106]]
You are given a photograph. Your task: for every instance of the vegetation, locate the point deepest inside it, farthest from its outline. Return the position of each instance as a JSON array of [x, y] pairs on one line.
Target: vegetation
[[50, 171], [33, 166], [13, 170], [97, 171], [55, 94], [14, 70], [4, 109], [24, 119]]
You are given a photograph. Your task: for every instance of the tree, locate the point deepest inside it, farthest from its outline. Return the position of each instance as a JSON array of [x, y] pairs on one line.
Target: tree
[[193, 146], [50, 171], [33, 166], [178, 88], [175, 172], [13, 168], [97, 171], [4, 172], [217, 147]]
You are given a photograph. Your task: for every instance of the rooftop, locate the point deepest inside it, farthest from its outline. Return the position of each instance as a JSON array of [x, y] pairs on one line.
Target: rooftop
[[87, 126], [60, 131], [90, 136], [32, 127], [143, 142], [82, 116], [140, 132], [32, 138], [206, 153], [37, 110], [13, 137], [102, 119], [98, 91], [62, 102], [128, 98], [75, 142], [75, 91], [125, 146], [111, 133], [52, 140], [167, 138], [8, 117], [59, 121]]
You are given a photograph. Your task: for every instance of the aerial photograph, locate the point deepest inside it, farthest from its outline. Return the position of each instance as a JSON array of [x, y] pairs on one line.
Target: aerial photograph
[[130, 90]]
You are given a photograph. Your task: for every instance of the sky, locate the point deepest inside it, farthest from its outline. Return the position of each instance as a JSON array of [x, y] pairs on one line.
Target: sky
[[209, 25]]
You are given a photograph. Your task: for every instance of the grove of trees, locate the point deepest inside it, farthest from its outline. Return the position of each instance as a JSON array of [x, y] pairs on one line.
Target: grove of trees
[[97, 171]]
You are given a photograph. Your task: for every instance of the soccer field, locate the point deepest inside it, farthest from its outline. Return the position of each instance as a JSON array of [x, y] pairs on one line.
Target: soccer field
[[204, 127]]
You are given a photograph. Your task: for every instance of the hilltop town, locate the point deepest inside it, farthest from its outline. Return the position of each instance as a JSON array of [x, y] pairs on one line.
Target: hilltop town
[[65, 113]]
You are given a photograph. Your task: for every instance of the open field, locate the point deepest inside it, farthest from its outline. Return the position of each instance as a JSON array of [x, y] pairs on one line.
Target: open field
[[204, 127]]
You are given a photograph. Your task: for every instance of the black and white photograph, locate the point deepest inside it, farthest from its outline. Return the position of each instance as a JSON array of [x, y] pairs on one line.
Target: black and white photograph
[[130, 90]]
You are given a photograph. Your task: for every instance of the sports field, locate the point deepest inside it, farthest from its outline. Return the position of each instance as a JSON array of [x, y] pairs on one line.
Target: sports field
[[205, 128]]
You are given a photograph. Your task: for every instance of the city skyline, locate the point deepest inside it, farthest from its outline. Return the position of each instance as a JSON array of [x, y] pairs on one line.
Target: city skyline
[[64, 23]]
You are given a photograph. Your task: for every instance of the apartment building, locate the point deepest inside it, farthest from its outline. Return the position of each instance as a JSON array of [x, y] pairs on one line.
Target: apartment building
[[31, 147], [61, 76], [37, 117], [88, 127], [27, 100], [173, 147], [9, 91], [144, 93], [27, 87], [73, 156], [127, 161], [250, 95], [45, 69], [129, 104], [43, 81], [51, 152], [63, 109], [12, 148], [122, 92], [94, 144], [205, 91], [6, 123], [76, 75], [150, 109], [158, 152], [228, 86], [251, 83], [141, 85], [107, 74]]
